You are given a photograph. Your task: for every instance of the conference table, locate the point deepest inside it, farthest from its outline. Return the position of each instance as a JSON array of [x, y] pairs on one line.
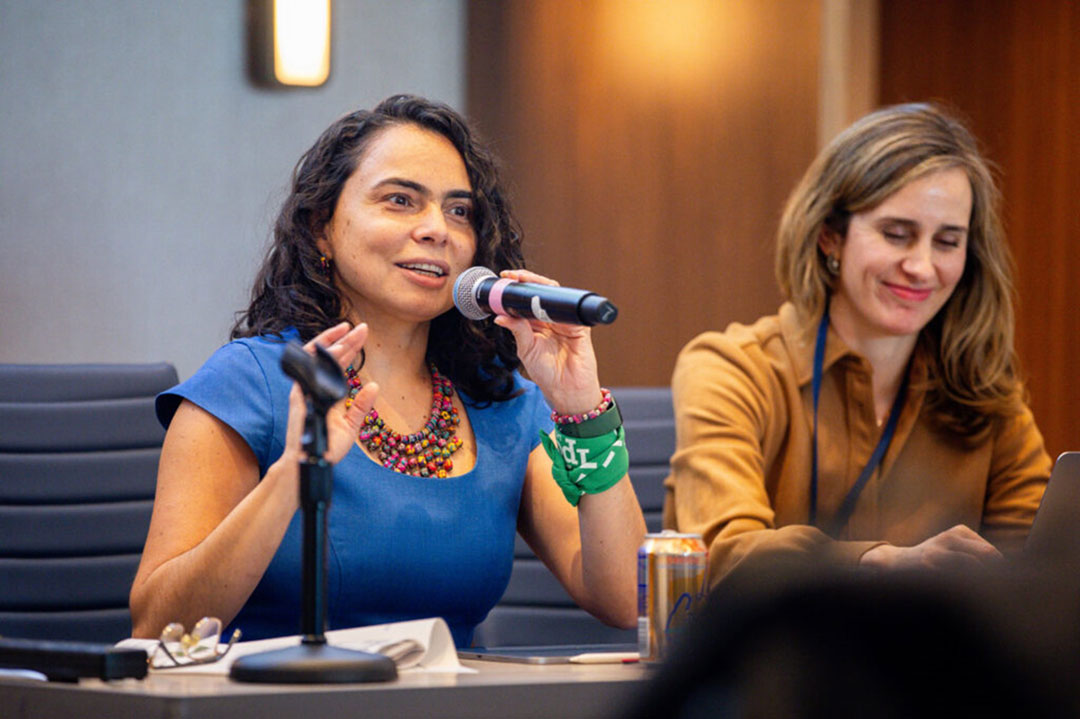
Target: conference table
[[497, 689]]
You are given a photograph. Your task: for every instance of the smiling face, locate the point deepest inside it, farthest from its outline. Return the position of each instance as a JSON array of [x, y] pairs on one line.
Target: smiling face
[[901, 260], [402, 229]]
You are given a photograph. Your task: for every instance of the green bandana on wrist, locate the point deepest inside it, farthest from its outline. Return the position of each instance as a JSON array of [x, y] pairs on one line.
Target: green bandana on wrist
[[586, 465]]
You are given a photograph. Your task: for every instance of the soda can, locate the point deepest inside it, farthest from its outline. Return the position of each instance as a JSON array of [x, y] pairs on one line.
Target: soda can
[[671, 586]]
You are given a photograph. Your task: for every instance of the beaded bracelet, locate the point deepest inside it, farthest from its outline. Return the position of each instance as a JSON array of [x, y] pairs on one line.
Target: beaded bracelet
[[608, 421], [605, 402]]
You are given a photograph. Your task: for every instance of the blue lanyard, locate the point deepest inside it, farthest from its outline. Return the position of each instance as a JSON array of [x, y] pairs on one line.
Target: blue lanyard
[[847, 507]]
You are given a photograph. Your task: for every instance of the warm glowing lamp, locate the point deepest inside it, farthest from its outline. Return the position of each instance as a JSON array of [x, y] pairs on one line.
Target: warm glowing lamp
[[290, 42]]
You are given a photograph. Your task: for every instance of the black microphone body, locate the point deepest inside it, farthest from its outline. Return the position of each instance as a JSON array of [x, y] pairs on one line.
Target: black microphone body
[[478, 292]]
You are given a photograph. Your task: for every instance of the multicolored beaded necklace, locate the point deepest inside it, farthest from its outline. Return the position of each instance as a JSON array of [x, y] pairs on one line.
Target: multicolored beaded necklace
[[422, 454]]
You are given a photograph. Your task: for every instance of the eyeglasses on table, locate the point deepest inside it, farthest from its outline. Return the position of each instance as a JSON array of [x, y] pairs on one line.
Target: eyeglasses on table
[[178, 648]]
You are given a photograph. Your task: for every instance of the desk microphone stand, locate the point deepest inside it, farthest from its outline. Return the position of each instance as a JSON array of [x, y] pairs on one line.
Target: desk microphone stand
[[313, 660]]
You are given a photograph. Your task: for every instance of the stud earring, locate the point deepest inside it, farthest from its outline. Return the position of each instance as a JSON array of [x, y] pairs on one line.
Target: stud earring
[[832, 264]]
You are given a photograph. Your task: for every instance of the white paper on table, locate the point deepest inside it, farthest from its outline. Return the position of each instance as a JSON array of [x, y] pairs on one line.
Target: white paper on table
[[434, 647]]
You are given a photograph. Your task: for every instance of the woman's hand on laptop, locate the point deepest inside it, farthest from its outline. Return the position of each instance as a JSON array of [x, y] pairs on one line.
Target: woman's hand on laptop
[[955, 548]]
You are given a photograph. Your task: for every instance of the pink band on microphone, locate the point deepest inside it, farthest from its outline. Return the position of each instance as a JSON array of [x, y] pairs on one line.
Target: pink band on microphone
[[495, 294]]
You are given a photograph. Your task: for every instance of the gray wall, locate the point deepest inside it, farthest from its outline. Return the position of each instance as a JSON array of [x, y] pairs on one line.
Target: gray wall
[[140, 170]]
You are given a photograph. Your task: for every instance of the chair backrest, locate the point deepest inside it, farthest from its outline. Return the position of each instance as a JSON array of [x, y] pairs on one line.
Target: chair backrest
[[535, 609], [79, 446]]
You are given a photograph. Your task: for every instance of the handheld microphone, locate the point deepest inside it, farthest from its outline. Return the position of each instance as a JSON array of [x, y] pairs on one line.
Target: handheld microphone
[[479, 292]]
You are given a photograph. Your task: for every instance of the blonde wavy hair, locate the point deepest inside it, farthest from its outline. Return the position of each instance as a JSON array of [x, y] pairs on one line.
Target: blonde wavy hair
[[973, 376]]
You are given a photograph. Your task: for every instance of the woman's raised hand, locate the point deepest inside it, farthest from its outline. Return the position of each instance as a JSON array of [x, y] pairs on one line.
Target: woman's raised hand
[[558, 357], [342, 425]]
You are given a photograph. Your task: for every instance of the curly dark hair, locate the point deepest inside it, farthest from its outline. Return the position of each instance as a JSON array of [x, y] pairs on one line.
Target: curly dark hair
[[292, 290]]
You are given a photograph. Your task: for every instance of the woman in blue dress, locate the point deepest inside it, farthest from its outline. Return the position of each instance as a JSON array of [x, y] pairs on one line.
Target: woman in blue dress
[[438, 452]]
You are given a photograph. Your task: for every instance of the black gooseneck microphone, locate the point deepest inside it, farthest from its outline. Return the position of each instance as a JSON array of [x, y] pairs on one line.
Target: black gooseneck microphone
[[314, 660], [479, 292]]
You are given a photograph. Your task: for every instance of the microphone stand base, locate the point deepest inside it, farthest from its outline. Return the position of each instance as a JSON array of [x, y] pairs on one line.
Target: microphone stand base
[[313, 664]]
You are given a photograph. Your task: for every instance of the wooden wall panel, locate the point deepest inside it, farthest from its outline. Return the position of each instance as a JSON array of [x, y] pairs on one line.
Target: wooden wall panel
[[1012, 69], [651, 146]]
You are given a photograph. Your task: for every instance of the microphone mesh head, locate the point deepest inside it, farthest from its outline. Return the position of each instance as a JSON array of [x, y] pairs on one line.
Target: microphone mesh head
[[465, 292]]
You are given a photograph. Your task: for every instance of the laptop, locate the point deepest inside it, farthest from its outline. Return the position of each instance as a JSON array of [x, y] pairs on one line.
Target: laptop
[[1055, 533]]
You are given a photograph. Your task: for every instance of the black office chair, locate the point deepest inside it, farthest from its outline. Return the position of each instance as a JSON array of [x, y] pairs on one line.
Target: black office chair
[[79, 446], [535, 609]]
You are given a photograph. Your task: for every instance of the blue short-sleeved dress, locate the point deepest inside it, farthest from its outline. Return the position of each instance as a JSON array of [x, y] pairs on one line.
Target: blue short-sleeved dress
[[400, 547]]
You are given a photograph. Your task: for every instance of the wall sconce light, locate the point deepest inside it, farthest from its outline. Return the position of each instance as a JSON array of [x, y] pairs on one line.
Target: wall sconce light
[[289, 42]]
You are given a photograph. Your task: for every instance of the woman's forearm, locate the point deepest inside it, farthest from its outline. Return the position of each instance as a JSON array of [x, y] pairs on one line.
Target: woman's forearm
[[216, 576], [612, 529]]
